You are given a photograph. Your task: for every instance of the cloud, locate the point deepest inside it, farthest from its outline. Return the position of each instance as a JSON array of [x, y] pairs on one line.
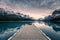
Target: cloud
[[31, 6], [40, 4], [50, 4]]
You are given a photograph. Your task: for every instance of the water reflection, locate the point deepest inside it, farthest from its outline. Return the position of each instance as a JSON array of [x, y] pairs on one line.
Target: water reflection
[[9, 28], [51, 29], [55, 26]]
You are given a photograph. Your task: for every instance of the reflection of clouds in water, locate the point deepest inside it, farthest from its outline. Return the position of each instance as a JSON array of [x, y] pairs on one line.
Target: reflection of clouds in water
[[42, 25], [55, 26], [8, 32], [7, 29], [47, 28]]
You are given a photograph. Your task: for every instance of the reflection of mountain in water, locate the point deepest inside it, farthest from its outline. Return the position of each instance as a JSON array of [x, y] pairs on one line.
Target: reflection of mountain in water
[[51, 29], [9, 28], [7, 25], [55, 26]]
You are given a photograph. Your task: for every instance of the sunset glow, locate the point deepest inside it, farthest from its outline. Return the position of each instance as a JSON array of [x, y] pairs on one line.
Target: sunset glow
[[31, 8]]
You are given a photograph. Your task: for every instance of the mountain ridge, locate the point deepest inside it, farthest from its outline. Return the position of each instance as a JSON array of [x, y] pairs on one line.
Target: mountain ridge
[[12, 16]]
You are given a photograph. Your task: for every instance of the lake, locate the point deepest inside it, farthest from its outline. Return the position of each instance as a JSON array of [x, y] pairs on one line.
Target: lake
[[52, 30]]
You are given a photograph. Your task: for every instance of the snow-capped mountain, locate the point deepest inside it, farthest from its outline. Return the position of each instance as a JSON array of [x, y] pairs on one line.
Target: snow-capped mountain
[[12, 16], [55, 16]]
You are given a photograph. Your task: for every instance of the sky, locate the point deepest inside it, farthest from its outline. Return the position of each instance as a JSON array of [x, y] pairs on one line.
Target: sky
[[33, 8]]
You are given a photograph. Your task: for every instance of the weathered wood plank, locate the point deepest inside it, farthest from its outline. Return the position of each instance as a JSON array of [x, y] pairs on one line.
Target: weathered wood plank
[[29, 32]]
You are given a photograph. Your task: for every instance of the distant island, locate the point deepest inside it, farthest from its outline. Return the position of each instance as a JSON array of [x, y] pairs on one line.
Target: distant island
[[12, 16], [55, 17]]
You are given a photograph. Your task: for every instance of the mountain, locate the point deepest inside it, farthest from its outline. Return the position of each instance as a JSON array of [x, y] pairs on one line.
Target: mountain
[[6, 15], [54, 17]]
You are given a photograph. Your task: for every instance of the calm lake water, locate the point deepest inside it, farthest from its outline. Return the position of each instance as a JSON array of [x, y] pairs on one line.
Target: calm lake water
[[52, 30]]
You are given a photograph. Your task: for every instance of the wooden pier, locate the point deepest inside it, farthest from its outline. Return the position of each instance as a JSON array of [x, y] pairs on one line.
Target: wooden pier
[[29, 32]]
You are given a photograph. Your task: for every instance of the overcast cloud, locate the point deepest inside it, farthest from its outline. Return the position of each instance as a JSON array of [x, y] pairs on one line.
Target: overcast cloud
[[40, 8], [41, 4]]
